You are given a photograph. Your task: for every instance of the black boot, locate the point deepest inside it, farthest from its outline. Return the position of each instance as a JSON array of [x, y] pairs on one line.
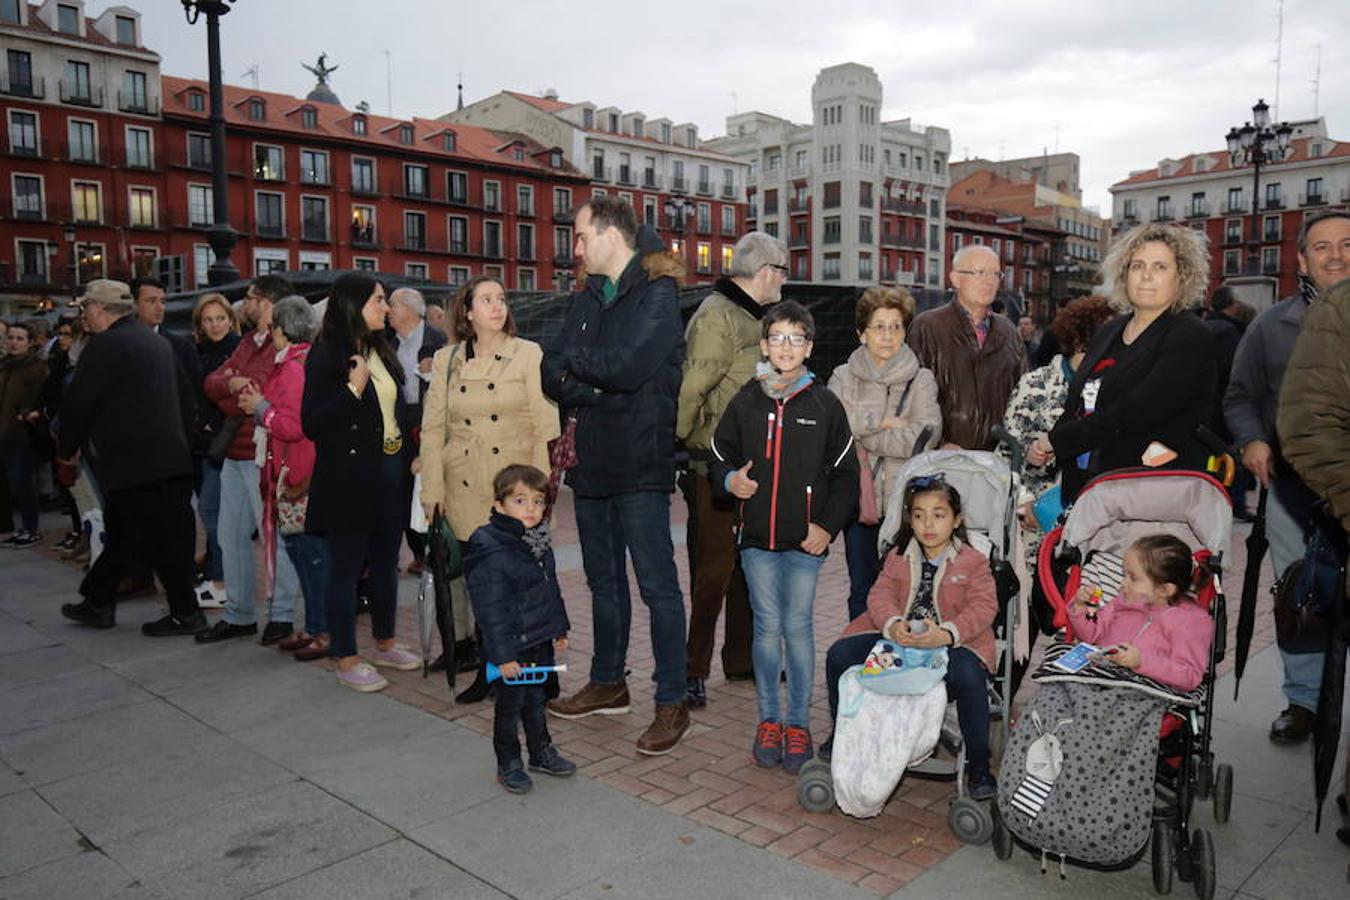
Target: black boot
[[476, 692]]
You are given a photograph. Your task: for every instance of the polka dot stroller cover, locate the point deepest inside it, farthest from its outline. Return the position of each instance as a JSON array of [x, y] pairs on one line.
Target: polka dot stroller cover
[[890, 716]]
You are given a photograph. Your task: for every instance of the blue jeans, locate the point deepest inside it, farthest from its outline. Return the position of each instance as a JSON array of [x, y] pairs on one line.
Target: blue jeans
[[240, 517], [21, 475], [782, 593], [309, 555], [1285, 531], [638, 523], [208, 507], [860, 550]]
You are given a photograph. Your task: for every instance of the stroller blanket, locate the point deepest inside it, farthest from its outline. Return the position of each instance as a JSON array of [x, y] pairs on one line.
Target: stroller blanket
[[1102, 672], [1078, 771], [876, 737]]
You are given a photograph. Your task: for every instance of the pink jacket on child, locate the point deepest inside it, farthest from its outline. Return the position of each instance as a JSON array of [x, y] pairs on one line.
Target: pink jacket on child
[[1173, 641]]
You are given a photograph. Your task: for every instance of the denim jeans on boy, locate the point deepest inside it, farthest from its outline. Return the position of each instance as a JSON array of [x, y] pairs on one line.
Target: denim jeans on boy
[[309, 555], [518, 704], [240, 516], [638, 523], [782, 594], [208, 507], [860, 550]]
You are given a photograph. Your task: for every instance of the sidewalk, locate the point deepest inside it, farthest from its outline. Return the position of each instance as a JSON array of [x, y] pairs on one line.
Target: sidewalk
[[139, 768]]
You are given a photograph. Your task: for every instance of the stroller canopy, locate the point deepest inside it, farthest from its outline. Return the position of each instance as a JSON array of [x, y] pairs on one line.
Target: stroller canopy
[[1115, 510], [985, 482]]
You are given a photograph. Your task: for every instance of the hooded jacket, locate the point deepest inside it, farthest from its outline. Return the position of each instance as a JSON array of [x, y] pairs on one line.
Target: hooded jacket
[[802, 455], [22, 379], [616, 364], [723, 348], [515, 597]]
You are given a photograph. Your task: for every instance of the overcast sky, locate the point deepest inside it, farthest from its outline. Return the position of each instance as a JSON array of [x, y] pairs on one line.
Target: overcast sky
[[1123, 85]]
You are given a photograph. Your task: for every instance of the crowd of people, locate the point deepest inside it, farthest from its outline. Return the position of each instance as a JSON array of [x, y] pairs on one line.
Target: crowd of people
[[314, 429]]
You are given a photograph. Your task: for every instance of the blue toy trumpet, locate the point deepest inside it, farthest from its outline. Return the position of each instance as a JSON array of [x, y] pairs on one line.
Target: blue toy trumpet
[[528, 674]]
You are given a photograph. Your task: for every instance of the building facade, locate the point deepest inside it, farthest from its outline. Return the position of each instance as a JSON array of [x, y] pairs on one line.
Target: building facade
[[693, 196], [1057, 171], [1206, 191], [1027, 250], [856, 199]]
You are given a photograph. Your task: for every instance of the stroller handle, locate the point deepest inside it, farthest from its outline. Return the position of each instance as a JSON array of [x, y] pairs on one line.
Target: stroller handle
[[1015, 453]]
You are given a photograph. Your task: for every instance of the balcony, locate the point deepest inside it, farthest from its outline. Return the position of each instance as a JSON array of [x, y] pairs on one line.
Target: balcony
[[1312, 199], [455, 199], [704, 227], [314, 231], [830, 238], [137, 103], [626, 176], [414, 242], [525, 253], [198, 219], [679, 184], [704, 189], [798, 205], [728, 229], [650, 180], [1274, 203], [563, 216], [752, 212], [526, 211], [24, 149], [1232, 238], [81, 94], [1235, 207], [1164, 214], [601, 172], [1199, 209], [83, 152], [365, 189], [274, 230], [799, 242], [771, 209], [900, 205], [23, 87], [493, 250], [363, 237], [564, 260], [891, 239], [728, 192]]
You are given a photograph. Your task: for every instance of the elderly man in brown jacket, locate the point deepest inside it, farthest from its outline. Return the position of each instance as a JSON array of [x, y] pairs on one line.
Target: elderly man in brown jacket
[[975, 355]]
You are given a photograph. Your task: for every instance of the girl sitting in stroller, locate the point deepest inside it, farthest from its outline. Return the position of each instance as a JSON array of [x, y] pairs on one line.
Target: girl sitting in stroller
[[934, 591], [1152, 627]]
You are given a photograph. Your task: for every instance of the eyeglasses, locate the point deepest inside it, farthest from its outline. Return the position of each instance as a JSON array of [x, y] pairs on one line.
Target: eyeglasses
[[980, 273], [782, 270], [886, 328], [777, 340]]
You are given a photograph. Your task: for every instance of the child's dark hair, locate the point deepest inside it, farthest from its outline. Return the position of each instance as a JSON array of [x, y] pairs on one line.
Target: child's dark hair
[[928, 484], [1167, 560], [506, 480], [788, 311]]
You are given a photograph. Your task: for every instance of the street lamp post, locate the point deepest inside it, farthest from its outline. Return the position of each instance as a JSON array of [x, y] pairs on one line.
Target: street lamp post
[[69, 234], [679, 210], [221, 237], [1257, 143]]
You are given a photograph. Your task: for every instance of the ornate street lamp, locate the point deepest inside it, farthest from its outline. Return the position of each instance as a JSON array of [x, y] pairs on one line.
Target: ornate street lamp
[[69, 234], [679, 210], [221, 237], [1258, 143]]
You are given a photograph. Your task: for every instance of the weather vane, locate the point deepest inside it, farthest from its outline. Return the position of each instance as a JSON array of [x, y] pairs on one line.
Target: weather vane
[[320, 69]]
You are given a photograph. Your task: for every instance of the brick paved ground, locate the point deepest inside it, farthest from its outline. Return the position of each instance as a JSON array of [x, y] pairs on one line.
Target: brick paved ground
[[709, 777]]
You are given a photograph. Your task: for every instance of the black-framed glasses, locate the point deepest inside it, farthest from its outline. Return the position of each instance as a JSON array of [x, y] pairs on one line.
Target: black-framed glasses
[[777, 340], [980, 273], [779, 268]]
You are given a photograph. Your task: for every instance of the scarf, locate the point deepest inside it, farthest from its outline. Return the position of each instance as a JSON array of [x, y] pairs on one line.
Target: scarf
[[537, 539], [1306, 289], [775, 385]]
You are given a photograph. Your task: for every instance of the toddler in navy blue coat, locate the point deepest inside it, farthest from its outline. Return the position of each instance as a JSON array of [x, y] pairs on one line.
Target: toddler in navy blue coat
[[513, 586]]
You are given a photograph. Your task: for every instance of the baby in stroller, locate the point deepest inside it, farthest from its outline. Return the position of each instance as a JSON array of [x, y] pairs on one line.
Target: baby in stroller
[[1153, 627], [934, 591]]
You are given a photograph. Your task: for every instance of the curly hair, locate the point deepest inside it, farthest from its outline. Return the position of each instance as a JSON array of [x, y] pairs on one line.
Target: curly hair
[[875, 298], [1189, 246], [1078, 321]]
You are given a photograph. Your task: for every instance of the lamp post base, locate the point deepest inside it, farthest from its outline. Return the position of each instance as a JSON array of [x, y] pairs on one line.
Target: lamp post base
[[222, 239], [1257, 290]]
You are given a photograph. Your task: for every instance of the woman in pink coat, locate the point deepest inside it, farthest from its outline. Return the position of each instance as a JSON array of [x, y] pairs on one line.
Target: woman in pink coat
[[287, 461]]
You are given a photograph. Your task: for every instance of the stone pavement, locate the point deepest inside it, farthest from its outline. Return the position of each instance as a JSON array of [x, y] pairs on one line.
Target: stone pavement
[[139, 768]]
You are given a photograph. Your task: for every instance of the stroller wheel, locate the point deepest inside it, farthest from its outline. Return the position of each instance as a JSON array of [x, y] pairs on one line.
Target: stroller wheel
[[1223, 792], [970, 821], [1202, 864], [1164, 853], [1002, 837], [815, 789]]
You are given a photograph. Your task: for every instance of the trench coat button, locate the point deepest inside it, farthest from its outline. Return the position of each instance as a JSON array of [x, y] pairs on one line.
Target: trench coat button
[[462, 388], [466, 451], [467, 422], [497, 357], [466, 484], [494, 417], [491, 386], [495, 450]]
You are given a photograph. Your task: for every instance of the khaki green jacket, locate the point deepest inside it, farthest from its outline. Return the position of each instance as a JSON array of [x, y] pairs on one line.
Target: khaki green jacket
[[1314, 411], [722, 341]]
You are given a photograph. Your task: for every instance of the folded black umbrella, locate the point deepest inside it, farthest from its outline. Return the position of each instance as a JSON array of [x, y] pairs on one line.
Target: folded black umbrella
[[444, 564], [1327, 731], [1256, 553]]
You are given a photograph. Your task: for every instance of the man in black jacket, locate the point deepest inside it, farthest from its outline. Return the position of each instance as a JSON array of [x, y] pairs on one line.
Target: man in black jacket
[[616, 366], [123, 409]]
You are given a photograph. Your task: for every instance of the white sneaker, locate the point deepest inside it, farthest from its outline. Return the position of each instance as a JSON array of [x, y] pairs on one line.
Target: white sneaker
[[210, 597]]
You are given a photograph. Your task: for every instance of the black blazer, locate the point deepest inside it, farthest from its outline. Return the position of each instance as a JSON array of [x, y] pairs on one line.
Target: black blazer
[[123, 405], [348, 436], [1161, 388]]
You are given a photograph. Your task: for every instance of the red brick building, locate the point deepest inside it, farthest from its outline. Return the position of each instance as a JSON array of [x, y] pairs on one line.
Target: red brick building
[[1027, 250]]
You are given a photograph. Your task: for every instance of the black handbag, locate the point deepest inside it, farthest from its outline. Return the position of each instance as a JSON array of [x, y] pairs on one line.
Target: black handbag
[[1306, 591], [219, 446]]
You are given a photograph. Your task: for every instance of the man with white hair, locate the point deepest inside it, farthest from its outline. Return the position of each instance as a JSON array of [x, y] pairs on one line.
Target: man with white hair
[[416, 343], [123, 401], [975, 355], [722, 341]]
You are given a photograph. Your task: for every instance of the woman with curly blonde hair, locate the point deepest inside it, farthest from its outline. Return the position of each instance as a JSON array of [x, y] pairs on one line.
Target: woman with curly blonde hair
[[1146, 383]]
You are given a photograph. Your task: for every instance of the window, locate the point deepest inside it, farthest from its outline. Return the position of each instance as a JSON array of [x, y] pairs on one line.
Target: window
[[270, 261], [865, 195], [23, 133], [1232, 262], [134, 97], [562, 201], [143, 261], [67, 19], [1164, 211], [704, 182], [492, 196], [415, 181], [257, 110], [625, 168], [313, 167], [832, 195], [1271, 230], [126, 30], [20, 65], [414, 231], [525, 200], [864, 267], [864, 229], [457, 187], [196, 101], [267, 163], [309, 117], [359, 125], [363, 226], [525, 241], [492, 240], [525, 279], [1274, 195], [201, 205], [138, 148], [933, 242], [9, 10], [415, 270], [1314, 191], [1232, 231], [27, 197], [199, 151], [83, 141], [270, 221], [448, 142], [801, 266], [830, 269], [704, 256], [1235, 201], [32, 261], [92, 260], [1270, 260], [555, 159], [832, 230], [614, 122], [562, 245], [677, 182], [314, 218], [771, 202], [141, 208], [315, 262], [649, 211], [365, 263], [363, 175], [85, 203], [458, 275], [201, 264], [728, 220], [649, 172], [459, 234], [771, 228], [704, 218], [727, 253], [405, 134]]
